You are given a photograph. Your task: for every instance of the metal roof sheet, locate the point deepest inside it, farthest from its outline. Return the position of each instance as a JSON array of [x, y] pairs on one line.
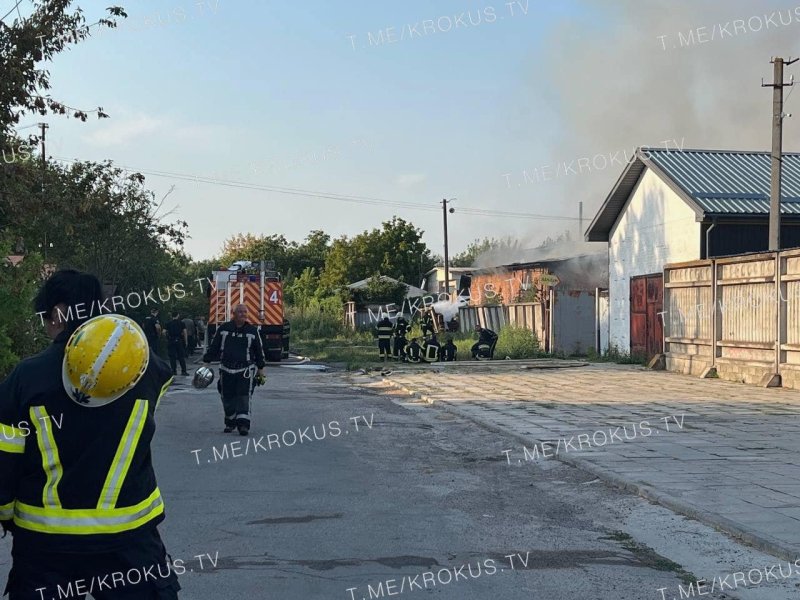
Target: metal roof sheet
[[712, 182], [717, 174]]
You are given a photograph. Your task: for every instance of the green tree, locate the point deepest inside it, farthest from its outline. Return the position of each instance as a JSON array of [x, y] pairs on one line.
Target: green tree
[[311, 253], [97, 219], [255, 248], [21, 332], [302, 290], [474, 250], [396, 250], [562, 238], [25, 45], [380, 291]]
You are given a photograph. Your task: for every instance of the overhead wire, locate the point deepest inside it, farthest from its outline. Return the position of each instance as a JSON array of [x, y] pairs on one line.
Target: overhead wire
[[365, 200], [13, 8]]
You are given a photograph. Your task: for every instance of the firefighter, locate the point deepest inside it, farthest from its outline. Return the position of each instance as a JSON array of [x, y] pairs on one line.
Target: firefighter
[[432, 349], [449, 351], [237, 345], [77, 487], [414, 351], [454, 324], [427, 323], [483, 349], [401, 327], [152, 329], [191, 336], [177, 340], [383, 330]]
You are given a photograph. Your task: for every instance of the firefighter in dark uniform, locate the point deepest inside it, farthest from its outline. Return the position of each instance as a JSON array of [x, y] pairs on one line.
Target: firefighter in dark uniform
[[483, 349], [449, 351], [383, 330], [427, 323], [177, 341], [401, 327], [432, 349], [237, 345], [77, 487], [414, 351], [152, 329]]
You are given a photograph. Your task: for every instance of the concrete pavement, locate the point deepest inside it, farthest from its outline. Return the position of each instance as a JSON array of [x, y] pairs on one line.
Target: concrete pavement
[[721, 452]]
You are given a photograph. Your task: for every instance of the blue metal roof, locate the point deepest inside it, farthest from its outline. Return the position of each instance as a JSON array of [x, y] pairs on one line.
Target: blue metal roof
[[711, 182], [728, 182]]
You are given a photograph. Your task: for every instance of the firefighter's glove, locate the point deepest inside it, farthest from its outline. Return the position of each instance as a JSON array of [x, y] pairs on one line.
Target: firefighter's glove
[[261, 379]]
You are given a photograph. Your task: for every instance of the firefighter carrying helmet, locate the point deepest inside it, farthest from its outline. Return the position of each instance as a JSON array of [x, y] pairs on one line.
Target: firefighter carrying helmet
[[104, 358]]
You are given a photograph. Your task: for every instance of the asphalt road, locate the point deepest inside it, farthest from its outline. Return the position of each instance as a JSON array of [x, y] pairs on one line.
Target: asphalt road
[[353, 495], [392, 500]]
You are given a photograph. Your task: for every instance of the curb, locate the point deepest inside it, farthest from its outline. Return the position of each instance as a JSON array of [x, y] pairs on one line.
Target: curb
[[761, 542]]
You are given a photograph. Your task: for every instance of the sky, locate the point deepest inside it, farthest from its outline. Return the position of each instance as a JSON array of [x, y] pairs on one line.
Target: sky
[[397, 105]]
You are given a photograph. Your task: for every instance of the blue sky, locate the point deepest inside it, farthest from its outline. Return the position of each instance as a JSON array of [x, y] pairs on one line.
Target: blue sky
[[278, 94]]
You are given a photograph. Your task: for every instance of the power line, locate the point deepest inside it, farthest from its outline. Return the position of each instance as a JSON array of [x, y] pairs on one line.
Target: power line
[[365, 200], [15, 7]]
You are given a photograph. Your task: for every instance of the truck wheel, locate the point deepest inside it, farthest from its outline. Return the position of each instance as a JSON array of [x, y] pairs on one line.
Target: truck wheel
[[274, 355]]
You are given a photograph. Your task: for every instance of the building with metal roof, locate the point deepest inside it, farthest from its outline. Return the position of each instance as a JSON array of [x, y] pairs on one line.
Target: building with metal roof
[[727, 186], [672, 206]]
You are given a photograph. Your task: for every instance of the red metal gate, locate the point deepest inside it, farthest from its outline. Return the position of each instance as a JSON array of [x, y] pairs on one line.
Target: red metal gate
[[647, 332]]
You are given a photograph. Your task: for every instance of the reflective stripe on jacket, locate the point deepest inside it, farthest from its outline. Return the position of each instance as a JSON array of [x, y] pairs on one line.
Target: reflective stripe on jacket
[[72, 475]]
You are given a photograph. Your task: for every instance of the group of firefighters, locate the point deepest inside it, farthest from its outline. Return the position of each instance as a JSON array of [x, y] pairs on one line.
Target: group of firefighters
[[81, 500], [393, 342]]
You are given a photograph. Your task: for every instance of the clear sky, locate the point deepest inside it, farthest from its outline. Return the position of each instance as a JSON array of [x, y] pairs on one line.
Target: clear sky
[[364, 98]]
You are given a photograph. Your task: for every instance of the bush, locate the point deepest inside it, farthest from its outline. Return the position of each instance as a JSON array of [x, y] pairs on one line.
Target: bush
[[320, 319], [21, 332], [517, 342], [379, 291]]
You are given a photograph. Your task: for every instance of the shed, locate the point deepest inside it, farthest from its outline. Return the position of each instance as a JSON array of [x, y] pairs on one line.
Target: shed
[[671, 206]]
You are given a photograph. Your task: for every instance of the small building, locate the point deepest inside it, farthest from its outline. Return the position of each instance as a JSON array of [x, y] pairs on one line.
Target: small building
[[557, 298], [358, 316], [412, 291], [672, 206], [433, 283]]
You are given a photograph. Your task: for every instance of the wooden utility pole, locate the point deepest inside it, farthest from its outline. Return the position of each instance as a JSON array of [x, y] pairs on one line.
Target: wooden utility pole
[[446, 256], [580, 220], [44, 127], [777, 86]]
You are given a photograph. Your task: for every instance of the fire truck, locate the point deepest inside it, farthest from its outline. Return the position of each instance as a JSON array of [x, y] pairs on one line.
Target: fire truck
[[258, 286]]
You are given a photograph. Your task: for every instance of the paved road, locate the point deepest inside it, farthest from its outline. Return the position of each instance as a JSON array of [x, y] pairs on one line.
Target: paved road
[[398, 505], [415, 502]]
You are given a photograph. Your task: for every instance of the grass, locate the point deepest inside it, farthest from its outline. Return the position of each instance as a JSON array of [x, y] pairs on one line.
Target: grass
[[613, 355], [359, 349]]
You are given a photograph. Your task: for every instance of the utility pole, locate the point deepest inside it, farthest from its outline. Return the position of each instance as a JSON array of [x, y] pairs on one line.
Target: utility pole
[[580, 220], [44, 127], [446, 255], [777, 86]]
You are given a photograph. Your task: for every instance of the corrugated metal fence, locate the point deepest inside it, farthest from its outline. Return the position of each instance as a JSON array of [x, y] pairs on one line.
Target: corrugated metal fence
[[529, 315], [739, 314], [492, 317]]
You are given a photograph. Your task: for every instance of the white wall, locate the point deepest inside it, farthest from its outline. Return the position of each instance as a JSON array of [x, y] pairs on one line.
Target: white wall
[[655, 228], [602, 317]]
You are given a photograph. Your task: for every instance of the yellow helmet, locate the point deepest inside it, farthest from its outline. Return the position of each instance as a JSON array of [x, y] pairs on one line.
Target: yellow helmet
[[105, 358]]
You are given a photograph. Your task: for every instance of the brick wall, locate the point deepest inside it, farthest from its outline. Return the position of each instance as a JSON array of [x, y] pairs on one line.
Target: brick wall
[[506, 282]]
